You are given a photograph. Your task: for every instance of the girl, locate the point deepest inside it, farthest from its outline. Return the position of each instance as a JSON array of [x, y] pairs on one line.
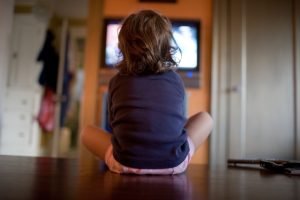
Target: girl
[[150, 134]]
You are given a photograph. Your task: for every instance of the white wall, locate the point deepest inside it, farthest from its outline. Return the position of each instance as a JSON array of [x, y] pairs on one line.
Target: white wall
[[62, 8], [79, 8], [6, 20]]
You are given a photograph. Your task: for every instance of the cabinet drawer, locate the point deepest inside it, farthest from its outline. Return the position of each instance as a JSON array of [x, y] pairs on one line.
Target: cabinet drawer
[[15, 135], [19, 100], [17, 118]]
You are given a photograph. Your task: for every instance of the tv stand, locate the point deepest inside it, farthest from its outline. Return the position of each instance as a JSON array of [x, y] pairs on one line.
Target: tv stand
[[191, 79]]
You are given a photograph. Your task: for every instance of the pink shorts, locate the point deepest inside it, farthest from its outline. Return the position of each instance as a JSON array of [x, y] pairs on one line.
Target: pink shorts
[[116, 167]]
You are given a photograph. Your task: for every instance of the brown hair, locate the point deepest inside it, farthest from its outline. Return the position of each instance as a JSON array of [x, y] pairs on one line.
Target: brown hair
[[145, 44]]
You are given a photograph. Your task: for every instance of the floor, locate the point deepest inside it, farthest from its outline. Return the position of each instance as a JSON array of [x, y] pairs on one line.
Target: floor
[[48, 178]]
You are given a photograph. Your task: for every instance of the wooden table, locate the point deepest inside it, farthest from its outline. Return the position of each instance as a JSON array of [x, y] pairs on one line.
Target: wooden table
[[48, 178]]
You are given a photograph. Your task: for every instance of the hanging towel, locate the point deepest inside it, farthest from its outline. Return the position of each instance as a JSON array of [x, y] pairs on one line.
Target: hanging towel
[[46, 114]]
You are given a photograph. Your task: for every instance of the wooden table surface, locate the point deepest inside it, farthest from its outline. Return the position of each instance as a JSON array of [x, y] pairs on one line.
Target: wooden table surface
[[48, 178]]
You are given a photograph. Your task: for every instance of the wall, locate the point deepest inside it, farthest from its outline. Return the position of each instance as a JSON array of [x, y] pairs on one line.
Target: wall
[[186, 9]]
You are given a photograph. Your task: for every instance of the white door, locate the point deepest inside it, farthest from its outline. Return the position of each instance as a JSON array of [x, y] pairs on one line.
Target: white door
[[262, 103], [254, 88], [27, 39]]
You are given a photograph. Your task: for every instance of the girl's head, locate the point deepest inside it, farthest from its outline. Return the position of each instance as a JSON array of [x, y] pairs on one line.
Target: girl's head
[[145, 43]]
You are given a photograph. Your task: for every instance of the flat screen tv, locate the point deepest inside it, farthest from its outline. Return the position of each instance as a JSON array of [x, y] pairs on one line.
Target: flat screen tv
[[185, 32]]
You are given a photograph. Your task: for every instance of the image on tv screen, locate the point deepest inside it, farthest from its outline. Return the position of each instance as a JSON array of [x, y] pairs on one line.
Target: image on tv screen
[[185, 33], [112, 52]]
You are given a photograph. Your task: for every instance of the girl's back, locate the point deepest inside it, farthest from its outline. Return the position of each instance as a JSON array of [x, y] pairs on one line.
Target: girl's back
[[147, 118]]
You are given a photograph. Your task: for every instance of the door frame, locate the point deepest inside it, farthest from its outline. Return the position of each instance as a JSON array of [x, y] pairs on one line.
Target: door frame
[[296, 38], [219, 97]]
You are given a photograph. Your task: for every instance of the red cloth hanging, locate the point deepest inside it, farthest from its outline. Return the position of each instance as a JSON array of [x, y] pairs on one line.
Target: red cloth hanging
[[47, 111]]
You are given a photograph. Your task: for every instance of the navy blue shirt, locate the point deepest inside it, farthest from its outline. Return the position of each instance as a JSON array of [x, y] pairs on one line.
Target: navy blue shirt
[[147, 119]]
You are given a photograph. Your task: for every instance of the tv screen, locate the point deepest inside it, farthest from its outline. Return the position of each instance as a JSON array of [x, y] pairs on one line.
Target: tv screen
[[185, 32]]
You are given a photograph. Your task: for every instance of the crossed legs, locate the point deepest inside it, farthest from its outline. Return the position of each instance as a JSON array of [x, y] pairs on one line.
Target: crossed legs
[[199, 127], [98, 140]]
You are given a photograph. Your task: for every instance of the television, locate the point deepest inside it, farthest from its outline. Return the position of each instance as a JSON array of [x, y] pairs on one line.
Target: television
[[185, 32]]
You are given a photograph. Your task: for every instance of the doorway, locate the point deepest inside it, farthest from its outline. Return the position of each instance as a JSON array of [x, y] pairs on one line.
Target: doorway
[[20, 132]]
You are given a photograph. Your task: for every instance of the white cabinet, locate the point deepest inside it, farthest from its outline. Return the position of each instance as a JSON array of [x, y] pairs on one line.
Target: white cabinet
[[20, 132]]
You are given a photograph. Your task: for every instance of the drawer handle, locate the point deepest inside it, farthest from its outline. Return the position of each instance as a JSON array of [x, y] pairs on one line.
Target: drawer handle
[[24, 102], [21, 134]]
